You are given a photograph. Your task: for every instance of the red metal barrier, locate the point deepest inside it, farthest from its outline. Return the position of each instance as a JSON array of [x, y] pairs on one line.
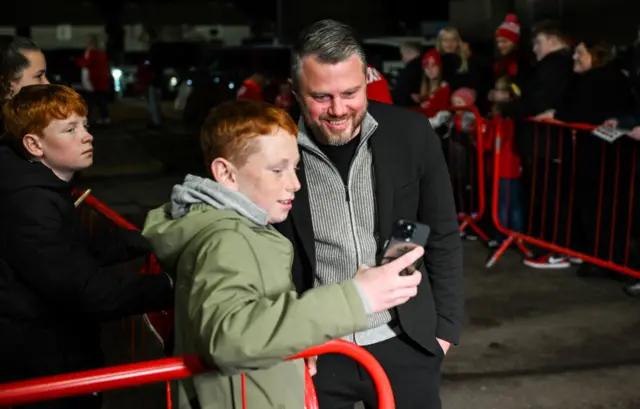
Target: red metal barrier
[[95, 214], [464, 151], [580, 198], [122, 376]]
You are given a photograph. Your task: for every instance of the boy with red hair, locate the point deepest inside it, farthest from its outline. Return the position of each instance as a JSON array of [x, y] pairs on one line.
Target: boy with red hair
[[54, 294]]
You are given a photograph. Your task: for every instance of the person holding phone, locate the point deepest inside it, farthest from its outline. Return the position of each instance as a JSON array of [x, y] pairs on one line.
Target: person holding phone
[[365, 165]]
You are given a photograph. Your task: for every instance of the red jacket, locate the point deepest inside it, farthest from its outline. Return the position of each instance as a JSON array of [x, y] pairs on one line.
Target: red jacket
[[250, 91], [510, 162], [97, 62], [377, 86], [439, 101], [284, 101]]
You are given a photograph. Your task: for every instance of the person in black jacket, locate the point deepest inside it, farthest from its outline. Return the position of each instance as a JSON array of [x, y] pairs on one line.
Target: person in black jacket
[[364, 166], [544, 91], [408, 80], [53, 293]]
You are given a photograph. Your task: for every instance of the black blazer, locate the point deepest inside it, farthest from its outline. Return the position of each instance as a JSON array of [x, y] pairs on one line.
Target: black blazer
[[411, 182]]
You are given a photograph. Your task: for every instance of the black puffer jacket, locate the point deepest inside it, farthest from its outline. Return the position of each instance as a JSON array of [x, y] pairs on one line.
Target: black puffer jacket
[[53, 294]]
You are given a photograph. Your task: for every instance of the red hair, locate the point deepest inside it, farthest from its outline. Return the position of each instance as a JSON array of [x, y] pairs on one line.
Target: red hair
[[32, 109], [231, 127]]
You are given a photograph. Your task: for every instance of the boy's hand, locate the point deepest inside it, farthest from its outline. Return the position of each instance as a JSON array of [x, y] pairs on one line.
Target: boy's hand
[[312, 364], [384, 287]]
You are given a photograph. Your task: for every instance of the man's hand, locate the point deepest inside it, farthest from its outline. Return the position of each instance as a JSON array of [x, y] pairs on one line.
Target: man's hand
[[611, 122], [384, 287], [499, 96], [635, 133], [550, 114], [445, 345], [312, 364]]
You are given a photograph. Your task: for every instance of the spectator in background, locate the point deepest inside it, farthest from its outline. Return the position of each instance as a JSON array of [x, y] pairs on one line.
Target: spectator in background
[[22, 63], [544, 91], [464, 120], [284, 99], [409, 78], [434, 91], [509, 62], [551, 76], [96, 79], [455, 61], [596, 93], [151, 74], [377, 86], [510, 194], [251, 88]]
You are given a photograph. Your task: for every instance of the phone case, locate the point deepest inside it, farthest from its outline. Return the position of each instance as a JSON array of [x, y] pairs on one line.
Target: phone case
[[403, 240]]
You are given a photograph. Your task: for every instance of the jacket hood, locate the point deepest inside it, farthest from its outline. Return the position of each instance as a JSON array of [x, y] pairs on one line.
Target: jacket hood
[[18, 173], [195, 204]]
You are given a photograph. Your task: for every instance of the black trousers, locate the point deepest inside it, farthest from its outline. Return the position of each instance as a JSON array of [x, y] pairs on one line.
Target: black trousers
[[414, 374]]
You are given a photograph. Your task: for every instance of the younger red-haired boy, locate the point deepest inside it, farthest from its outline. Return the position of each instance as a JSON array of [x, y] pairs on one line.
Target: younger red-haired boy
[[236, 305]]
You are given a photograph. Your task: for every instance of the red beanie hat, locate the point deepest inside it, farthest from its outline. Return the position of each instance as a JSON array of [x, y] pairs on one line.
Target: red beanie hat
[[509, 29], [430, 58], [468, 95]]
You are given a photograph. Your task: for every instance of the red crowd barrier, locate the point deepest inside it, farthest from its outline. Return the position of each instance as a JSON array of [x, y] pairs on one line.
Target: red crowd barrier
[[123, 376], [580, 195], [463, 143]]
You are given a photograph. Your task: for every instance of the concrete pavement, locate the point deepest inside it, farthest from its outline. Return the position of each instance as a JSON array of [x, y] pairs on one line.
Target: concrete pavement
[[532, 339]]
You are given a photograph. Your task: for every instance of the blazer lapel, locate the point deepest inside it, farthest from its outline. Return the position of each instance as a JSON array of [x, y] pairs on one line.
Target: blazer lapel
[[301, 217], [383, 156]]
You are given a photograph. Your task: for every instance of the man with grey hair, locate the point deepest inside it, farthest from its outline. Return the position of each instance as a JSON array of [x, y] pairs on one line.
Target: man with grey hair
[[363, 166]]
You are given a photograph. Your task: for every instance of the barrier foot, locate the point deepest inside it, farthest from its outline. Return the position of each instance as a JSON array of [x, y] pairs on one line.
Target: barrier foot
[[498, 253], [478, 231], [527, 253], [469, 222]]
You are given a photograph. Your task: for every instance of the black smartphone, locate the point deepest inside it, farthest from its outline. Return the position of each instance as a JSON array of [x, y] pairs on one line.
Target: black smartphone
[[405, 236]]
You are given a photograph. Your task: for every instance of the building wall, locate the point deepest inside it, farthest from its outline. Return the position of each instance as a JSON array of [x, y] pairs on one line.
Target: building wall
[[50, 37], [613, 20]]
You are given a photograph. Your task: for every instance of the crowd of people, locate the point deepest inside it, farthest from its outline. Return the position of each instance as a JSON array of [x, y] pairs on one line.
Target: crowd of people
[[560, 78], [273, 251], [254, 276]]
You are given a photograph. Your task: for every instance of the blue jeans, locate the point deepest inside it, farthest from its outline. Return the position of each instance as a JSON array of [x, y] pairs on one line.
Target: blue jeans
[[510, 210]]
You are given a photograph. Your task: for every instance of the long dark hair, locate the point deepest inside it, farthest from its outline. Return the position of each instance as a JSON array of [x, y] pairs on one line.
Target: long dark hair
[[12, 61]]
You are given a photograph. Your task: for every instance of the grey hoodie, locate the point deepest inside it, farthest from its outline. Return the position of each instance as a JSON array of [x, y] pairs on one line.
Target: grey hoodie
[[195, 190]]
